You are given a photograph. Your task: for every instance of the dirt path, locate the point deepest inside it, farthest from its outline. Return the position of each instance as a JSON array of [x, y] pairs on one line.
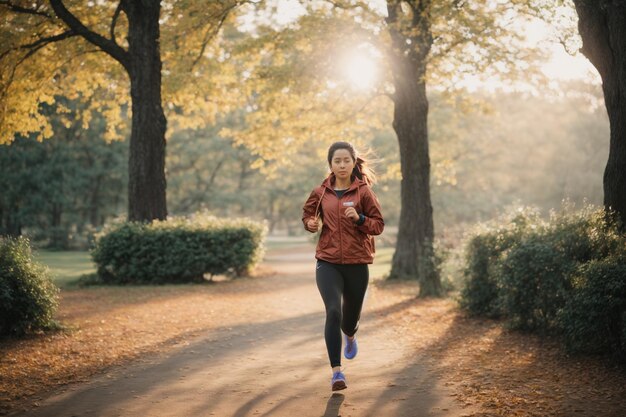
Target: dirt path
[[271, 362], [255, 347]]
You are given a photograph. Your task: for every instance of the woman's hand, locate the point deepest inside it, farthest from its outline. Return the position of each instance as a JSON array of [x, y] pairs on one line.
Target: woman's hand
[[313, 224], [351, 212]]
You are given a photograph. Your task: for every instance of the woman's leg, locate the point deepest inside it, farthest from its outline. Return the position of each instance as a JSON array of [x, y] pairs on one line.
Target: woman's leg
[[356, 278], [330, 284]]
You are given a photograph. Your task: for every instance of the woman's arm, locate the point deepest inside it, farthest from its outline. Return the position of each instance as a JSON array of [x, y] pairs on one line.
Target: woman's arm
[[308, 211], [373, 223]]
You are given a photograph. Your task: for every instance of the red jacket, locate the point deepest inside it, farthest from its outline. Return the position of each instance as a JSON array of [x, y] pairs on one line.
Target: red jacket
[[342, 241]]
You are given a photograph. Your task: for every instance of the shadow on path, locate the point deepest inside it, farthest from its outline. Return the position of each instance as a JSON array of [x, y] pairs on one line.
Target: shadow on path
[[273, 368]]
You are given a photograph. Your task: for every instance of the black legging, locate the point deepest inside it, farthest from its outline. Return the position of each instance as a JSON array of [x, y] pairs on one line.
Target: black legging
[[333, 280]]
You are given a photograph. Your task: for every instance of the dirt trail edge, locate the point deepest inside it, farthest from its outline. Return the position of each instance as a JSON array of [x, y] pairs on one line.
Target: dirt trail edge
[[273, 363]]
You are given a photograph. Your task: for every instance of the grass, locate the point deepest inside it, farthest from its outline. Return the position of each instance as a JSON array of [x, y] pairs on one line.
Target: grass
[[280, 242], [65, 266]]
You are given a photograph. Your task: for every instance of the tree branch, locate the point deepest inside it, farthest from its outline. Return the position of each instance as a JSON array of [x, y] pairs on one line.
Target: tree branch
[[118, 9], [107, 45], [397, 40], [459, 41], [341, 4], [36, 46], [211, 32], [348, 5], [40, 43], [25, 10]]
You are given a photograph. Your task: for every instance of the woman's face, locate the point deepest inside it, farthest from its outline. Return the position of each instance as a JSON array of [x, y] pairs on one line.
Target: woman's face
[[342, 164]]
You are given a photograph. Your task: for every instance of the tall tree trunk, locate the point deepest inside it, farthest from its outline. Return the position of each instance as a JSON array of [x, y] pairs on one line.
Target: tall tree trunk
[[146, 164], [414, 255], [142, 61], [602, 26]]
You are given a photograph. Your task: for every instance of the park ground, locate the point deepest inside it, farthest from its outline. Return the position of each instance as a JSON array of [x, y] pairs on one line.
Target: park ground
[[254, 346]]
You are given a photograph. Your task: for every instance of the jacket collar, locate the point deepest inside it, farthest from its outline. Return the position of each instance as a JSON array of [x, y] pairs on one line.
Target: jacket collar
[[329, 183]]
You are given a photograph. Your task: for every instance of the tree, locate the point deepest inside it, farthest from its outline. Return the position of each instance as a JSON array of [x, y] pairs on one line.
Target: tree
[[602, 27], [410, 45], [134, 42], [421, 48], [207, 171], [424, 49], [57, 189]]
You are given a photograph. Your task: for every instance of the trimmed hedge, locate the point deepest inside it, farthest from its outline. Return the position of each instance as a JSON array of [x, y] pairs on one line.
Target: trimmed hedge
[[28, 297], [484, 251], [177, 250], [594, 317], [566, 276], [534, 281]]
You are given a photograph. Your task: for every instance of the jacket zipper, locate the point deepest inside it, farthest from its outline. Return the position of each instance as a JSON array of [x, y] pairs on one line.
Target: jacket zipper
[[339, 219]]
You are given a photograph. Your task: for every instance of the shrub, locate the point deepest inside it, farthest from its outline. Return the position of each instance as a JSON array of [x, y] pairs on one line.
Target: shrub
[[594, 317], [177, 250], [585, 234], [537, 274], [534, 278], [479, 295], [566, 276], [28, 298], [484, 251]]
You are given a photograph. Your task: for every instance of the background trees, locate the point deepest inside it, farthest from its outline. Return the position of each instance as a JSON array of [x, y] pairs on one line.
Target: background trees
[[254, 98], [118, 45], [482, 161], [416, 47], [60, 189]]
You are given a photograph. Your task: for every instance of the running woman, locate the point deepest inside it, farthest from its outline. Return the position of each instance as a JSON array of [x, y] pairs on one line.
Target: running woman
[[350, 215]]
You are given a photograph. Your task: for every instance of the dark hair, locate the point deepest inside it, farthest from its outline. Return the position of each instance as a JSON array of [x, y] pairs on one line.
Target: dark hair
[[362, 169]]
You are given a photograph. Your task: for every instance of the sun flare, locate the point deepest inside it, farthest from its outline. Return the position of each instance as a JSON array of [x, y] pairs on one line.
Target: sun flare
[[360, 70]]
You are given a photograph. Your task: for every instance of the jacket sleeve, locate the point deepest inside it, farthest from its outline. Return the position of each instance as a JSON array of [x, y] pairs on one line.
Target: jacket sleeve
[[374, 223], [308, 211]]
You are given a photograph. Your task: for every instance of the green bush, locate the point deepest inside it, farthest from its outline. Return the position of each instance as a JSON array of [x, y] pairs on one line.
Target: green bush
[[565, 276], [177, 250], [594, 317], [28, 298], [583, 235], [480, 293], [534, 282], [536, 275], [484, 251]]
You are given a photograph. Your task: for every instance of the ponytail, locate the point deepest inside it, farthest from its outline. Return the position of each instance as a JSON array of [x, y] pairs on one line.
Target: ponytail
[[364, 172]]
